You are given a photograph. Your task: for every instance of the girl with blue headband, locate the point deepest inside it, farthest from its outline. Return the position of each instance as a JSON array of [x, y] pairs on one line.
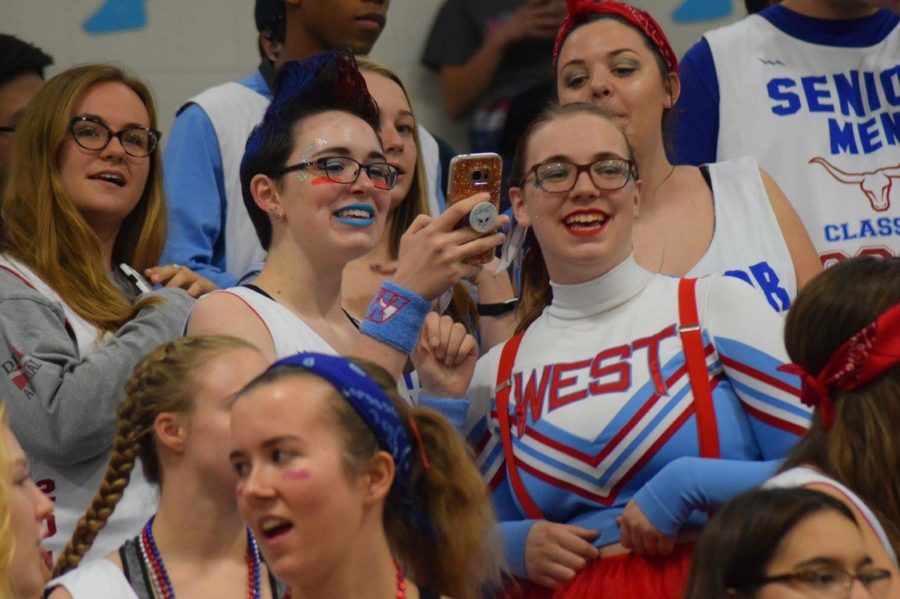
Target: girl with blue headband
[[351, 493]]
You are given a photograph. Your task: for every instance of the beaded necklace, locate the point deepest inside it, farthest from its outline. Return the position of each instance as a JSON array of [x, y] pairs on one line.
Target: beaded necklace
[[401, 583], [159, 577]]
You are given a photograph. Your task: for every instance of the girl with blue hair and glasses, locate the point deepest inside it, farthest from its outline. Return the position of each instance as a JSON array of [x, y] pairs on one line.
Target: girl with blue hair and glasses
[[352, 493], [317, 185]]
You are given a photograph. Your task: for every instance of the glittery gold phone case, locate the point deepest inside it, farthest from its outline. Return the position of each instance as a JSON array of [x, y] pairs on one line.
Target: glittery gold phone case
[[471, 174]]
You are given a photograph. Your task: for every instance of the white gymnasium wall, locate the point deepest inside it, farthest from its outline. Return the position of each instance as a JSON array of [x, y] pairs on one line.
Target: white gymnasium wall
[[188, 45]]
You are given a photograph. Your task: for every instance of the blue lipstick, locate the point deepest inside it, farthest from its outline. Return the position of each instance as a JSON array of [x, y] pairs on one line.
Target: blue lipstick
[[356, 215]]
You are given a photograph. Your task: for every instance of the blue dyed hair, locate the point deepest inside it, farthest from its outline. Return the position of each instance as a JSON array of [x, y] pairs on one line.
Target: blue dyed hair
[[323, 82]]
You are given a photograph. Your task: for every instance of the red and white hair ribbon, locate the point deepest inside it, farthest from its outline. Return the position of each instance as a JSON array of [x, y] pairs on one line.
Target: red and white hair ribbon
[[579, 10], [863, 357]]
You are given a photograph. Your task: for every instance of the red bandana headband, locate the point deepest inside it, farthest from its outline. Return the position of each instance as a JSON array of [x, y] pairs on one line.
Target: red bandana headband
[[862, 358], [580, 9]]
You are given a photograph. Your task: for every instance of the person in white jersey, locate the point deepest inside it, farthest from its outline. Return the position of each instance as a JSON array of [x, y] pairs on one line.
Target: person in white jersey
[[83, 196], [210, 230], [722, 218], [630, 402], [811, 89], [851, 374]]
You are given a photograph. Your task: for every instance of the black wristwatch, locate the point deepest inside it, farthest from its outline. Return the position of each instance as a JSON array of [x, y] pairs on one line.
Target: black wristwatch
[[498, 309]]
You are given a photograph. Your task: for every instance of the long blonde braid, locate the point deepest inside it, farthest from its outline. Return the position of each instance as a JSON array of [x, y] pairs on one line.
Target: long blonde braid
[[162, 382]]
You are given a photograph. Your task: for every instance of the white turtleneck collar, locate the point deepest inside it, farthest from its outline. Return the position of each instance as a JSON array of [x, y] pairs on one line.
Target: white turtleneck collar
[[607, 291]]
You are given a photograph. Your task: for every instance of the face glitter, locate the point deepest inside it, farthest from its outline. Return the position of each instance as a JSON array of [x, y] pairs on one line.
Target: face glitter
[[315, 145]]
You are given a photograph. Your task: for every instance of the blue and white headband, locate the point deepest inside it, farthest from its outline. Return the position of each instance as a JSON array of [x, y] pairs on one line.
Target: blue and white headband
[[367, 398]]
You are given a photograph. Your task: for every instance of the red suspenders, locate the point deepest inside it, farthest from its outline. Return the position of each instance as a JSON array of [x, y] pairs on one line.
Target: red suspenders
[[701, 390], [695, 359], [504, 386]]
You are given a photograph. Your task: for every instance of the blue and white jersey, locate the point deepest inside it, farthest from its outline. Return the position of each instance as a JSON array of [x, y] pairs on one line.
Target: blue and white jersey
[[609, 413], [817, 103]]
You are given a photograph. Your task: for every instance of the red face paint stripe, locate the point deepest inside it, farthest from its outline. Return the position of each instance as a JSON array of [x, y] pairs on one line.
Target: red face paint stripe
[[294, 475], [321, 181]]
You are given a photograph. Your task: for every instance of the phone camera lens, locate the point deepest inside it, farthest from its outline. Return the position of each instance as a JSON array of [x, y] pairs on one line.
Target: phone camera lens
[[477, 175]]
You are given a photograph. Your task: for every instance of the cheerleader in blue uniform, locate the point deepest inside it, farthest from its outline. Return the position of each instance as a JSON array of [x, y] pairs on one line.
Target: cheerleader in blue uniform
[[630, 403]]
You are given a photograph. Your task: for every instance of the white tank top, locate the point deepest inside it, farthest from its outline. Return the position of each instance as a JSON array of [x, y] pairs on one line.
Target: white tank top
[[97, 579], [290, 334], [747, 240]]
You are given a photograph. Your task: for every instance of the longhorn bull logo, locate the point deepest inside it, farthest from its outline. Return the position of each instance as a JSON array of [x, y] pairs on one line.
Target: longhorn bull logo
[[876, 185]]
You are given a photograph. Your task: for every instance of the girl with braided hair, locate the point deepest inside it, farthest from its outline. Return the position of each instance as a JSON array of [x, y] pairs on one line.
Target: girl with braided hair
[[175, 421]]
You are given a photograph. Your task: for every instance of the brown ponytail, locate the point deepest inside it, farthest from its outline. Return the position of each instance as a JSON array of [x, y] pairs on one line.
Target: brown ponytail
[[862, 447], [162, 382], [536, 291], [464, 552], [456, 556]]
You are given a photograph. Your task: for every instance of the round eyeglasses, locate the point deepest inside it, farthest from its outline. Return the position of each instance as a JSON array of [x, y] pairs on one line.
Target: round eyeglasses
[[91, 134], [560, 175], [833, 582], [343, 169]]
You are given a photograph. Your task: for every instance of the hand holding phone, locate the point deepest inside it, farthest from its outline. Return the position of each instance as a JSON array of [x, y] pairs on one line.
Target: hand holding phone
[[140, 283], [471, 174]]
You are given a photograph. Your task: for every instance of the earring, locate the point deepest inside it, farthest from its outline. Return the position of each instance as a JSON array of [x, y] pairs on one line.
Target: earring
[[278, 214]]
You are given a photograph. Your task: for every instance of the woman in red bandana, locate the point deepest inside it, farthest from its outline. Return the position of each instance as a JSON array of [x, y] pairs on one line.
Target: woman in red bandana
[[843, 335], [728, 217]]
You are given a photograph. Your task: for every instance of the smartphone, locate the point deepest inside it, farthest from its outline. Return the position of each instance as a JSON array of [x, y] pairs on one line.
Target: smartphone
[[471, 174], [140, 283]]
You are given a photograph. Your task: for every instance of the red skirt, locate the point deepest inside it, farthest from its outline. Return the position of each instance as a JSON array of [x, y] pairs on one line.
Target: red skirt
[[624, 576]]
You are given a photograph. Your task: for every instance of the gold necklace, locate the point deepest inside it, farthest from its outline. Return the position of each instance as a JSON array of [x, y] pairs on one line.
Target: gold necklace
[[661, 183]]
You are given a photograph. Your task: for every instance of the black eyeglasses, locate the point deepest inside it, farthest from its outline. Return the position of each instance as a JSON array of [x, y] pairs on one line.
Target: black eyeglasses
[[343, 169], [560, 175], [834, 583], [91, 134]]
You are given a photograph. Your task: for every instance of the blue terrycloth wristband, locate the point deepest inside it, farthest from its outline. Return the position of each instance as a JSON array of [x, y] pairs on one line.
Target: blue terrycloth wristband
[[395, 317]]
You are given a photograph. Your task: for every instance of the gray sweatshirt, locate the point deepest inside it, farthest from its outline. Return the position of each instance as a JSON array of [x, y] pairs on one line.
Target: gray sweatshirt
[[62, 404]]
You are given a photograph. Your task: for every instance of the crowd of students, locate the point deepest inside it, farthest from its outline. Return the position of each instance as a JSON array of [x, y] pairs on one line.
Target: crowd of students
[[323, 395]]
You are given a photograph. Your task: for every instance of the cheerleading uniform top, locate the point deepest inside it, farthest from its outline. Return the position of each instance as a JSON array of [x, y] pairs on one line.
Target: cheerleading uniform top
[[601, 409]]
